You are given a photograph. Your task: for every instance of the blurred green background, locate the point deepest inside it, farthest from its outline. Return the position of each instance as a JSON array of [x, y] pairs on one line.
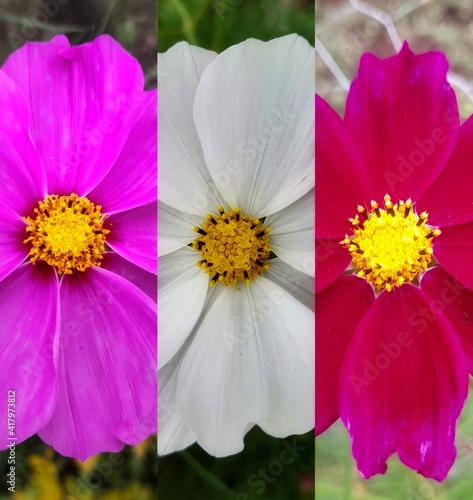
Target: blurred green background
[[216, 25], [345, 34], [41, 473], [337, 477]]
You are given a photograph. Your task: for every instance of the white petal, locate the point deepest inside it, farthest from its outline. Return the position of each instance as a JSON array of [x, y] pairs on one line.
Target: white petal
[[254, 113], [174, 434], [251, 362], [184, 180], [298, 284], [175, 228], [293, 234], [182, 287]]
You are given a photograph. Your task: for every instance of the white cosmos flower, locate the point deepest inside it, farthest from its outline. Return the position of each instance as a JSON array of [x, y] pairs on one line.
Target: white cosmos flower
[[236, 131]]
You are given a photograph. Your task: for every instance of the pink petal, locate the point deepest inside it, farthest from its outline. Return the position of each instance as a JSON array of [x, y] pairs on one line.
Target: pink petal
[[353, 296], [82, 102], [22, 177], [331, 259], [403, 116], [341, 180], [133, 235], [403, 385], [107, 368], [448, 200], [145, 281], [12, 233], [453, 249], [28, 308], [455, 301], [132, 181]]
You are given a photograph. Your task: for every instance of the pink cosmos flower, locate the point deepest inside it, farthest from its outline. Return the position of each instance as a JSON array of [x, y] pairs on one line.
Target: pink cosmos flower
[[394, 283], [77, 247]]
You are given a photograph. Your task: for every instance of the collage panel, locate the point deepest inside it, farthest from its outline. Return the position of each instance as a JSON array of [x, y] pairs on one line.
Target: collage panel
[[394, 301], [78, 285], [236, 249]]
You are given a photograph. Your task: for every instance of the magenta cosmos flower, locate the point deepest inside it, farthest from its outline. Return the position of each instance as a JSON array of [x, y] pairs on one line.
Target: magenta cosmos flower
[[395, 264], [77, 247]]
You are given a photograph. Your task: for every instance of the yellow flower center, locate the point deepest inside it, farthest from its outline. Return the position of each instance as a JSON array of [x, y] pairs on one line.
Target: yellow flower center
[[234, 247], [67, 233], [390, 246]]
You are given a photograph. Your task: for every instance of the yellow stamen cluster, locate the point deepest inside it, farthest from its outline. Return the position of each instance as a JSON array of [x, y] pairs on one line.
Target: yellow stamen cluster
[[390, 246], [67, 233], [234, 247]]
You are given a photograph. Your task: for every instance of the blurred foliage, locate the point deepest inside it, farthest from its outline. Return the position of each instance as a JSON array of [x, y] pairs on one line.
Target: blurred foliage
[[218, 24], [268, 468], [339, 479], [443, 25], [43, 474], [130, 22]]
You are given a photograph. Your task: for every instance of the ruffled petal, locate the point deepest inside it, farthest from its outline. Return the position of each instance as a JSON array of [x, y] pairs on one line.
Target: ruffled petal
[[293, 233], [402, 114], [297, 283], [340, 308], [132, 181], [145, 281], [173, 433], [12, 234], [250, 362], [184, 179], [22, 177], [29, 312], [341, 179], [448, 200], [331, 259], [133, 235], [175, 228], [107, 366], [403, 385], [181, 295], [453, 249], [454, 300], [82, 102], [257, 130]]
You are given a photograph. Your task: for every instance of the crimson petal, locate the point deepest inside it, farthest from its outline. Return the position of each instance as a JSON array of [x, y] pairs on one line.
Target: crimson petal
[[453, 249], [341, 179], [331, 259], [403, 116], [340, 308], [403, 385], [455, 301], [448, 200]]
